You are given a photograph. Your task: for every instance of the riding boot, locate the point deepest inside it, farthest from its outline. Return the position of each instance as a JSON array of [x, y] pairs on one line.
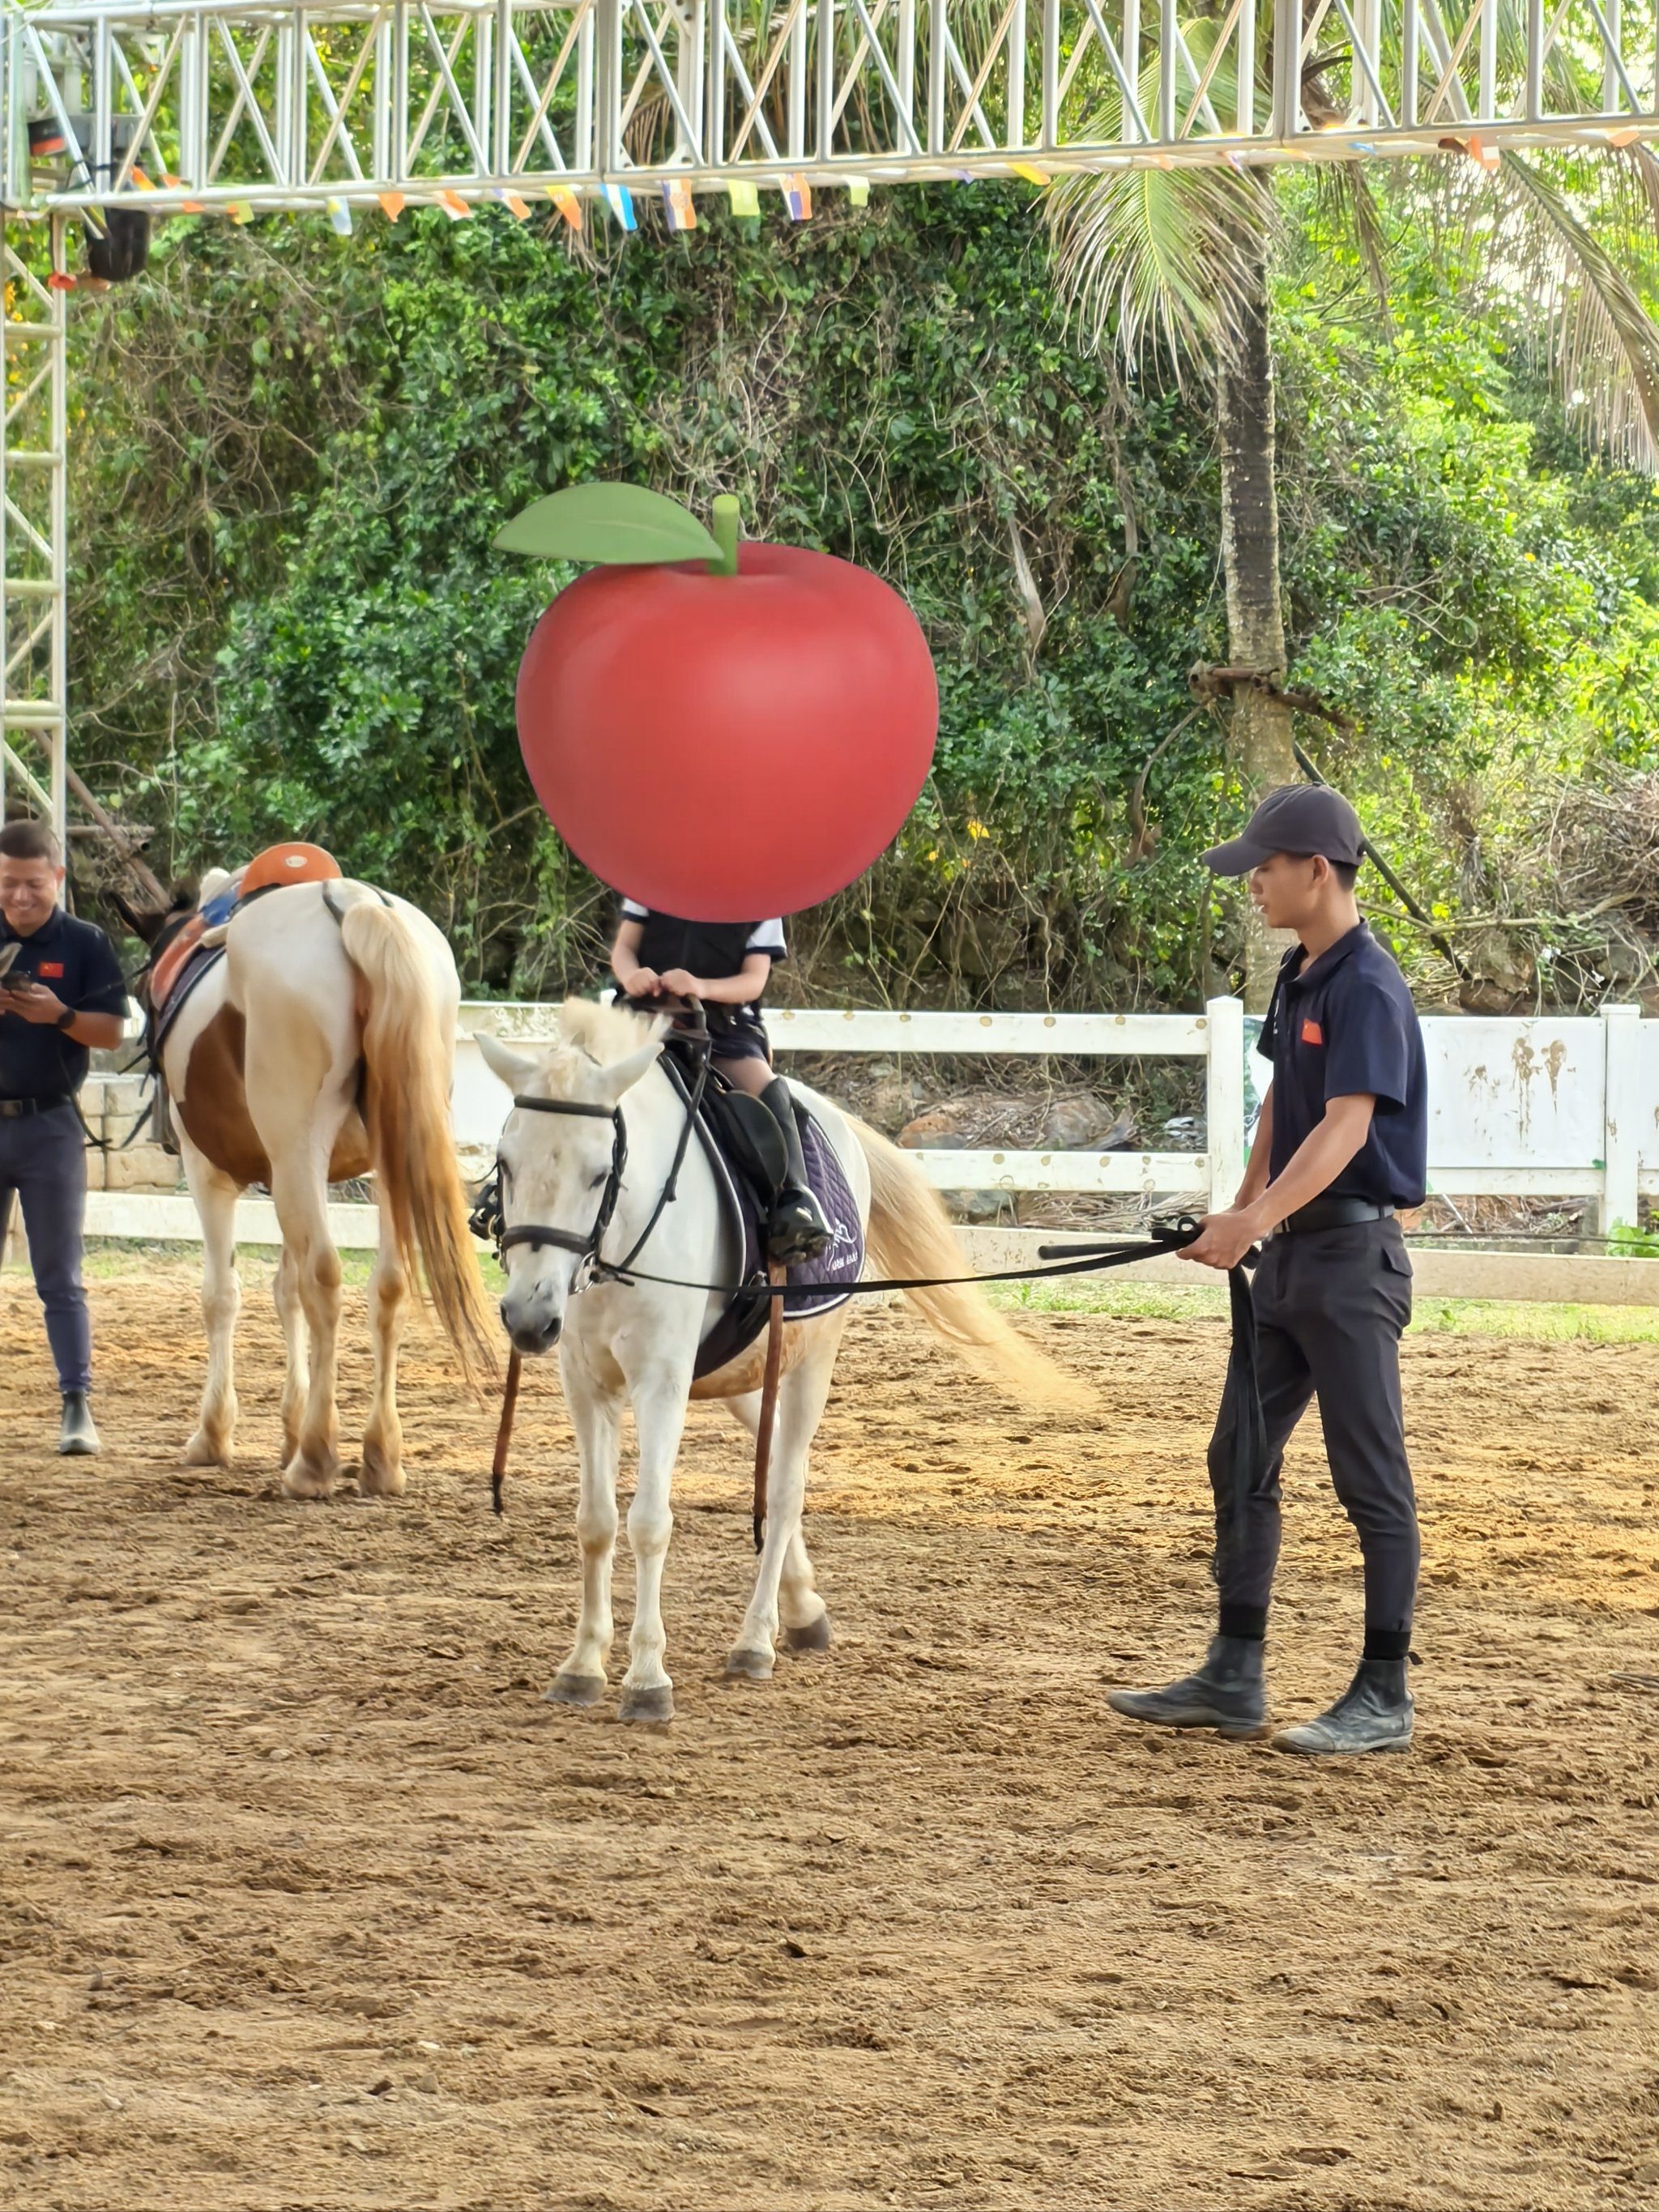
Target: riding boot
[[77, 1438], [797, 1231], [1227, 1692], [1374, 1713]]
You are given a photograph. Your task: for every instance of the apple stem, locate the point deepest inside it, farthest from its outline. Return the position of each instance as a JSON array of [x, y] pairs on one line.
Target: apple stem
[[725, 525]]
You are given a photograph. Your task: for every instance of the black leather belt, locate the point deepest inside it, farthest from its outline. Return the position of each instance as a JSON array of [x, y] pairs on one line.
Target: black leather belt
[[1332, 1214], [14, 1110]]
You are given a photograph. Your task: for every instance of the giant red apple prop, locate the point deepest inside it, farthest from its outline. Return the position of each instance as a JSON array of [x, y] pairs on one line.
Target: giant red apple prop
[[724, 737]]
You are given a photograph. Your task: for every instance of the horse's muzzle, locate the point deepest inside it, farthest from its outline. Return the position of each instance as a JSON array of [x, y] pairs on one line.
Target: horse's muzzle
[[534, 1339]]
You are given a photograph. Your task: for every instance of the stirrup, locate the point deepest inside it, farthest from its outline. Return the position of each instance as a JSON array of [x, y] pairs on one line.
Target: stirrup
[[797, 1231]]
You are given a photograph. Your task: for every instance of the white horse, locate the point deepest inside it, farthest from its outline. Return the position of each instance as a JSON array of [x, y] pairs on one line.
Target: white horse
[[637, 1343], [321, 1048]]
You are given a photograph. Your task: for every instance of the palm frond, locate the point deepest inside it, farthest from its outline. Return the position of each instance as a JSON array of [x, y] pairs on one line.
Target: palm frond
[[1605, 344], [1349, 205], [1155, 256]]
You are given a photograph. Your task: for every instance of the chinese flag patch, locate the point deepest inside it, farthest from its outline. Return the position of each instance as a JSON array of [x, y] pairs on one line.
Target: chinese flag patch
[[51, 967], [1312, 1034]]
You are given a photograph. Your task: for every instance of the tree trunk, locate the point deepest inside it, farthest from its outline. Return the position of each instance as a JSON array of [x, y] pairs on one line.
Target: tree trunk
[[1260, 735]]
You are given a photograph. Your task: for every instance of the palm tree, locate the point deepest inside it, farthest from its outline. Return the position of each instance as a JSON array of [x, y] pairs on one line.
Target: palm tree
[[1175, 262]]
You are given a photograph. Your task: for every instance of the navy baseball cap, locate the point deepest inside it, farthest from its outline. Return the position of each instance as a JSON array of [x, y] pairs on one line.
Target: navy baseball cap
[[1302, 818]]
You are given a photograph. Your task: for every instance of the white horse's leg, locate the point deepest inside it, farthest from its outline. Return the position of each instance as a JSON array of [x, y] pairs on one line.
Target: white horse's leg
[[804, 1615], [382, 1474], [596, 1415], [296, 1373], [214, 1193], [802, 1396], [659, 1398]]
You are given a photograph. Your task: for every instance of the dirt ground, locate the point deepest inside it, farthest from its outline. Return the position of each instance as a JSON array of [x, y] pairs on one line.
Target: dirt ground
[[310, 1900]]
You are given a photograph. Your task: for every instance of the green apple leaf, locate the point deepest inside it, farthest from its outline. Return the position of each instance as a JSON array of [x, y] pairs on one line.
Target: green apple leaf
[[609, 522]]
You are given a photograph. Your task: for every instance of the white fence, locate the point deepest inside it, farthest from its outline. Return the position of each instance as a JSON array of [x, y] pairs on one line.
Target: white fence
[[1565, 1107]]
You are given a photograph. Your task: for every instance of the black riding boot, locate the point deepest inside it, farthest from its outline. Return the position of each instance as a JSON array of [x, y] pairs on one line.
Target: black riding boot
[[77, 1438], [797, 1231], [1227, 1692], [1374, 1713]]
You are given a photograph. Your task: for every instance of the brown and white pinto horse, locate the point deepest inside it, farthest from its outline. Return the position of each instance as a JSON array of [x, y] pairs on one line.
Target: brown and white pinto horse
[[322, 1048]]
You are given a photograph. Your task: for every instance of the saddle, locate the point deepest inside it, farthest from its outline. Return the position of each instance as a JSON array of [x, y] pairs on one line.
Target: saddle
[[199, 946], [745, 1148]]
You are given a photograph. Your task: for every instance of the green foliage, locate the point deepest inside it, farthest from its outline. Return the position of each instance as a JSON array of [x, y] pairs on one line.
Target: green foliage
[[293, 452]]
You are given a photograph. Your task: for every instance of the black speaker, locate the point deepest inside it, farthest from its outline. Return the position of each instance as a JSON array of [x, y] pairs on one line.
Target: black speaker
[[123, 251]]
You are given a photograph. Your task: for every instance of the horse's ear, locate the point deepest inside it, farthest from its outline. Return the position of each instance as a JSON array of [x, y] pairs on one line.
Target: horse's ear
[[623, 1074], [514, 1069]]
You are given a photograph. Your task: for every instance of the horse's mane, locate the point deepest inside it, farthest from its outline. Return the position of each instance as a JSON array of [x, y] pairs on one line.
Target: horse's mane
[[606, 1034]]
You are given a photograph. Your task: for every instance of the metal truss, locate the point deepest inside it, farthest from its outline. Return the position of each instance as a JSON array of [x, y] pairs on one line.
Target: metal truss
[[250, 105], [34, 538]]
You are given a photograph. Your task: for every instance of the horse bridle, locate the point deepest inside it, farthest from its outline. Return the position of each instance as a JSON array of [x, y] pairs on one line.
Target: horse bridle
[[488, 1218]]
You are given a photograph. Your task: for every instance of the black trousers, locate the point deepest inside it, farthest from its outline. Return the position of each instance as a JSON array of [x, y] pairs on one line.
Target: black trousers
[[1330, 1306]]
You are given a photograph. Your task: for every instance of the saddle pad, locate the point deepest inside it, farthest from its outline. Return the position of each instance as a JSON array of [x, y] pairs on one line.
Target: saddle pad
[[816, 1287], [170, 963], [179, 982]]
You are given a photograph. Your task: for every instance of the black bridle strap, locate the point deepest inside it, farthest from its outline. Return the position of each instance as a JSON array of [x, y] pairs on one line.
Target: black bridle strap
[[534, 1233], [669, 1190]]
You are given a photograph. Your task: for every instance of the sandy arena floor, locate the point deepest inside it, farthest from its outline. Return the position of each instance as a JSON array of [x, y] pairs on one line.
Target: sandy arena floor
[[311, 1901]]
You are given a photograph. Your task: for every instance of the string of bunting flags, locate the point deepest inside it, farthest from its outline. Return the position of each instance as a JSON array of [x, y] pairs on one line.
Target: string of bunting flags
[[743, 195], [680, 203]]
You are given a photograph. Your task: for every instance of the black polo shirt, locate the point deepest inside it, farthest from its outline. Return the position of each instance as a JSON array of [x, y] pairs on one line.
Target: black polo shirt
[[76, 963], [1346, 1027]]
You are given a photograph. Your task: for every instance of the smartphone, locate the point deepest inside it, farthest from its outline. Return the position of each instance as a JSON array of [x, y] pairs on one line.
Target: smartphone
[[8, 952]]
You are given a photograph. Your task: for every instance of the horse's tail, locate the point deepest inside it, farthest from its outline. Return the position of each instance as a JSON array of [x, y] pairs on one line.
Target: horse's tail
[[407, 1060], [910, 1233]]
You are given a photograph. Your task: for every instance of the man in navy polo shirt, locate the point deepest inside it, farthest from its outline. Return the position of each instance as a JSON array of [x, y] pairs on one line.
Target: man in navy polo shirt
[[61, 994], [1342, 1147]]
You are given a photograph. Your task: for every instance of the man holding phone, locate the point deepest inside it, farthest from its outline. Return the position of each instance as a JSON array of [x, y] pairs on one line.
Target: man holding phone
[[62, 995]]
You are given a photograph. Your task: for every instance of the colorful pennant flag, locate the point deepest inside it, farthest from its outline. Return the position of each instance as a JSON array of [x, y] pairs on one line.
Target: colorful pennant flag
[[567, 204], [797, 197], [393, 205], [858, 191], [619, 201], [241, 211], [1032, 175], [677, 200], [520, 208], [339, 215], [744, 197], [454, 207]]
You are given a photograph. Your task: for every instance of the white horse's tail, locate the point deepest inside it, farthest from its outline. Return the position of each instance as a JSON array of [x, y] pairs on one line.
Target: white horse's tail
[[910, 1233], [406, 1107]]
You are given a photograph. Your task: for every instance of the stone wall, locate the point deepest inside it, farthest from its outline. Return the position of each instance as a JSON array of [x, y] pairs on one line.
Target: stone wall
[[112, 1104]]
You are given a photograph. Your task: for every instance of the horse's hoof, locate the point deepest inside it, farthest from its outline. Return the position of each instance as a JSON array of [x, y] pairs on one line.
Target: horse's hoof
[[201, 1451], [576, 1690], [815, 1637], [750, 1666], [648, 1704], [301, 1480], [376, 1479]]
